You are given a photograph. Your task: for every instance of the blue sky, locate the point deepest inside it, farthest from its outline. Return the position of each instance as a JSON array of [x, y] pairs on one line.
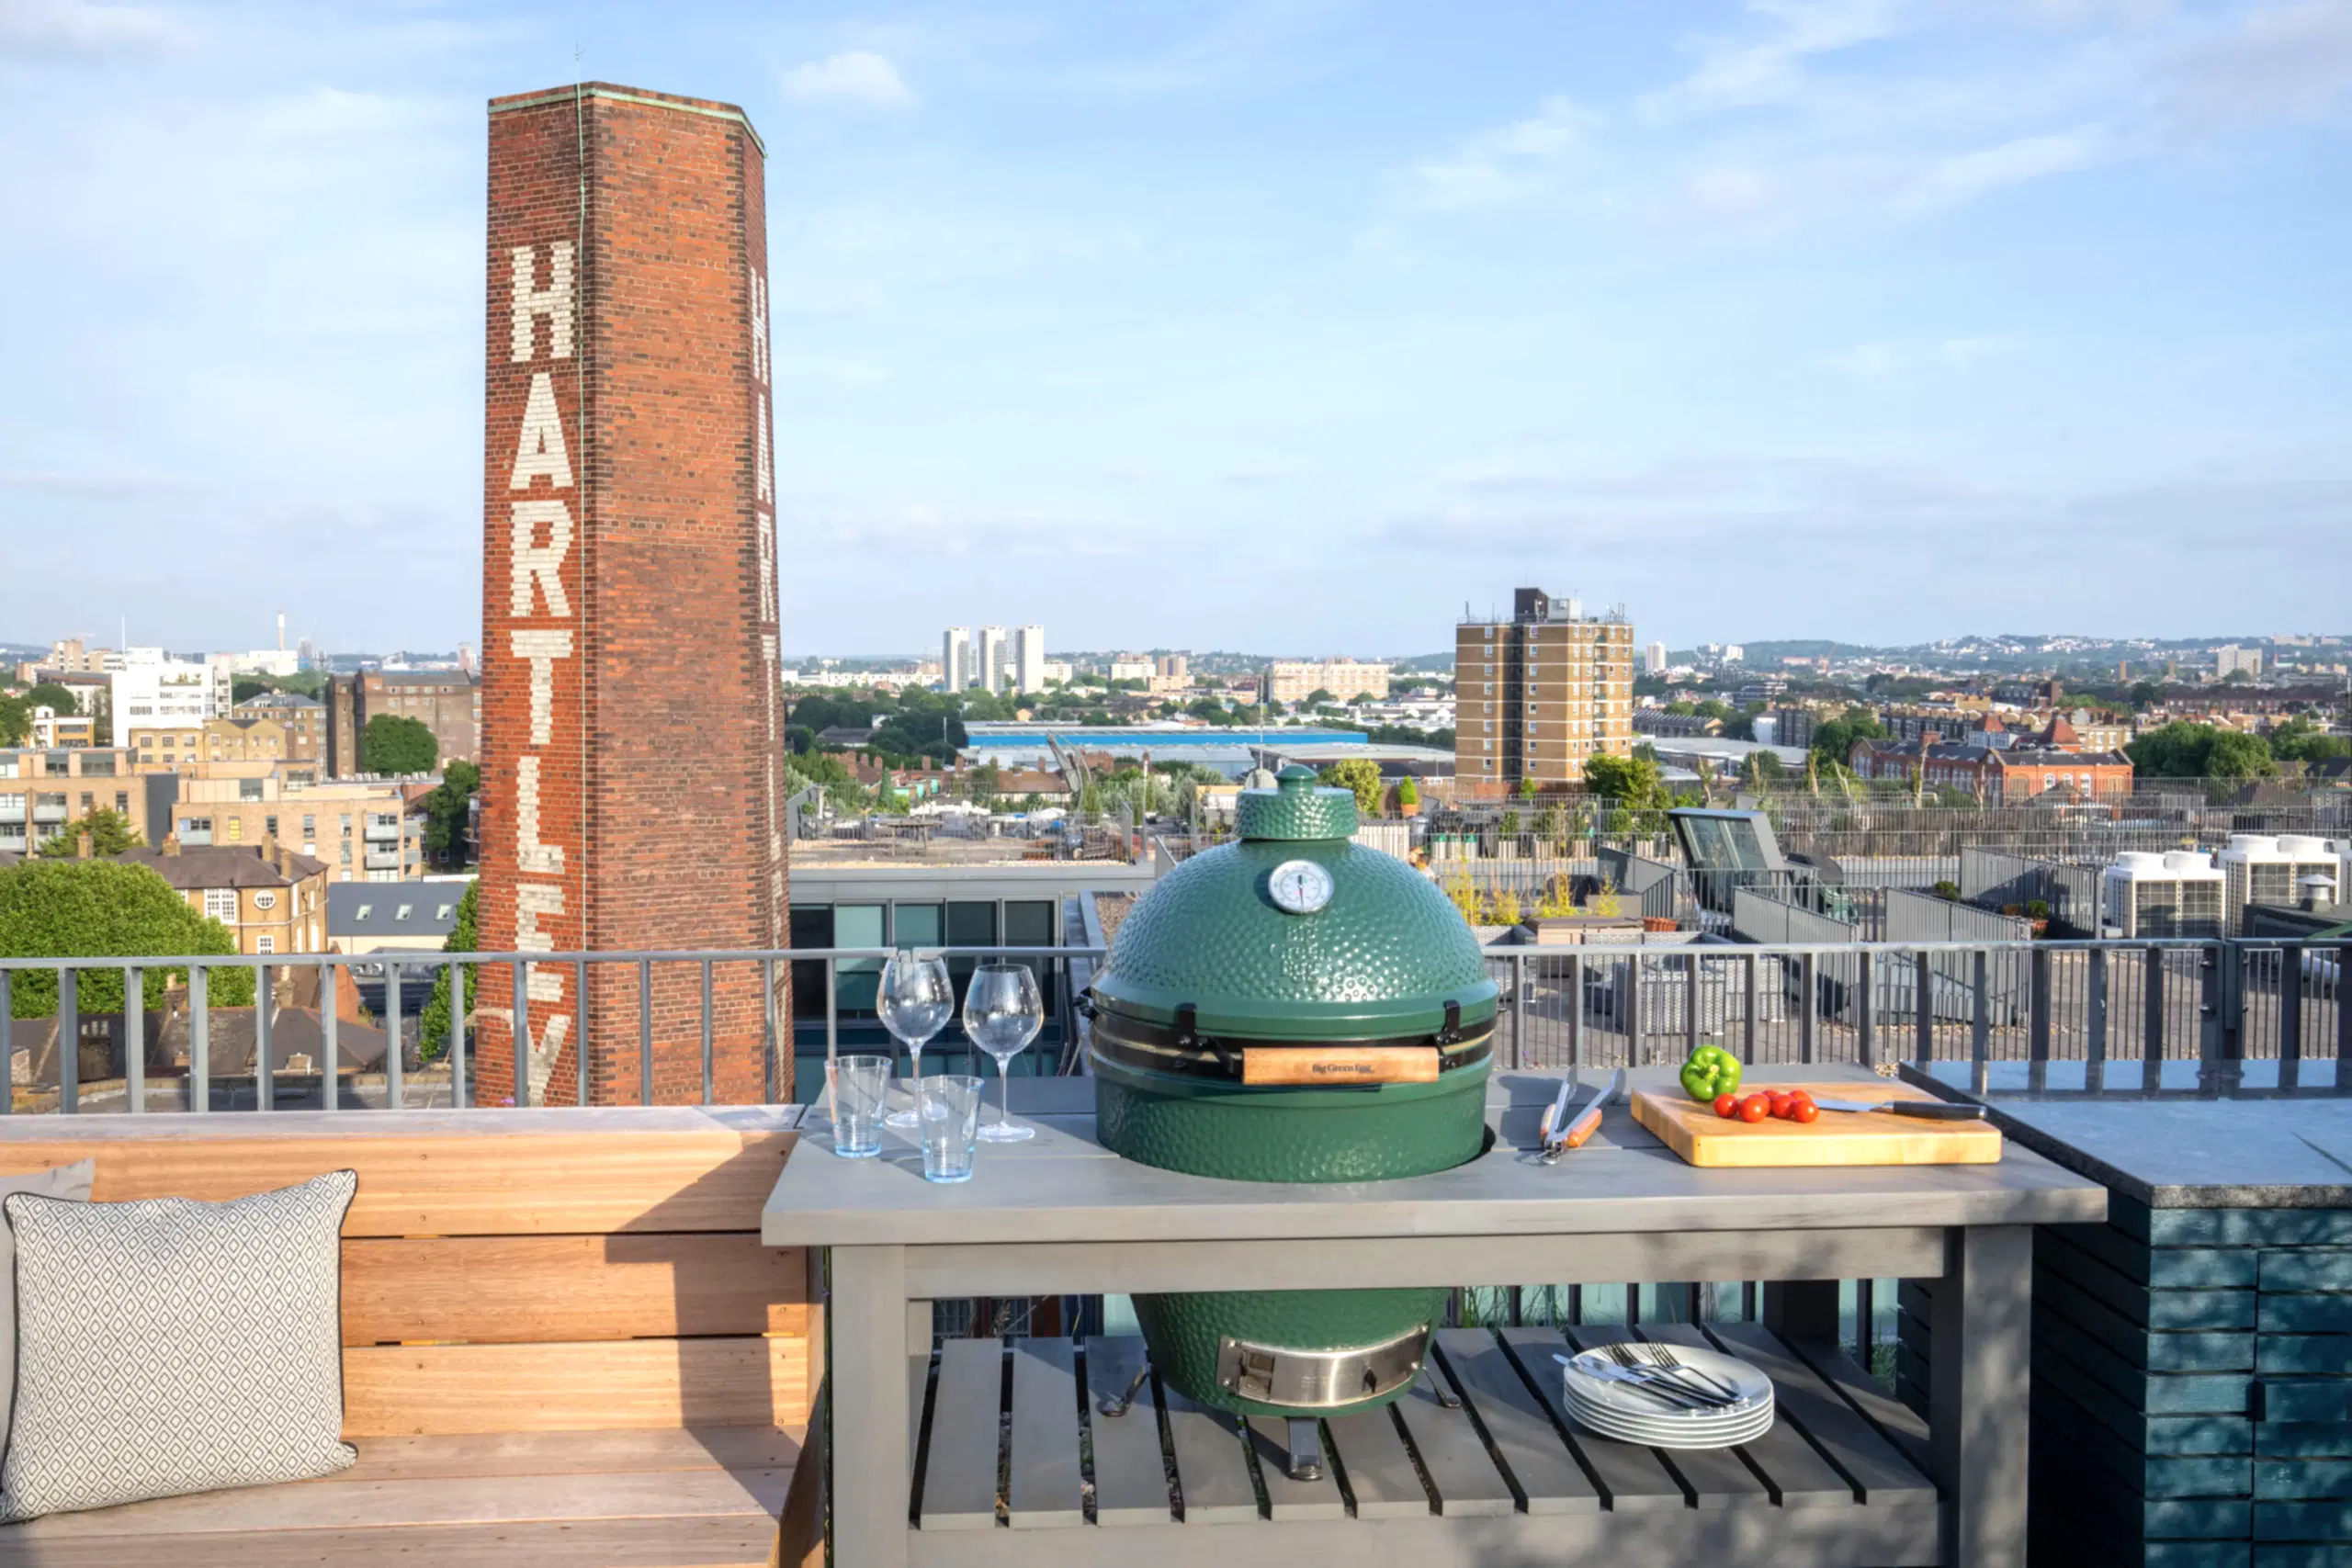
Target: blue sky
[[1292, 325]]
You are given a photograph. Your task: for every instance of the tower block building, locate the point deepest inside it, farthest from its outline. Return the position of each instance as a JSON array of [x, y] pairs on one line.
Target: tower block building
[[632, 730]]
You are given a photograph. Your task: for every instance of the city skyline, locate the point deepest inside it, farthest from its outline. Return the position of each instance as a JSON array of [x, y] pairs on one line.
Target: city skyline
[[1337, 315]]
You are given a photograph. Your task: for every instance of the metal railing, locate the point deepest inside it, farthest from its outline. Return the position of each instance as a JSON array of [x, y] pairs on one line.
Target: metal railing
[[190, 1054], [1880, 1003]]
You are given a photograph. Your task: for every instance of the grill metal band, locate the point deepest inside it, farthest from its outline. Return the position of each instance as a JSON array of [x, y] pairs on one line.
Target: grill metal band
[[1155, 1049], [1320, 1380]]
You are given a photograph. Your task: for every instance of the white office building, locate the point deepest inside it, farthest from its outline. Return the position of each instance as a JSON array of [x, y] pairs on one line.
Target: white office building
[[990, 658], [1029, 660], [955, 659], [1654, 659], [149, 694]]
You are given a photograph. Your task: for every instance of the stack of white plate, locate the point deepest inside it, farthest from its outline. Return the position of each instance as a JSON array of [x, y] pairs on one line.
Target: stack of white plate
[[1606, 1399]]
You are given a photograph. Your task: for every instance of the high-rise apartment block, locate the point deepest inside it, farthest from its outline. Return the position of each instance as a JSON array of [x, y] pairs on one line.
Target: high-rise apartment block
[[1537, 696], [988, 654], [1654, 660], [955, 659], [160, 691], [2231, 660], [1029, 660], [631, 556]]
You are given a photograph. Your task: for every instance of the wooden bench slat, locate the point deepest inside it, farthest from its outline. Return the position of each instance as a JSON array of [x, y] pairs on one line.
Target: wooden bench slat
[[1853, 1445], [1287, 1499], [960, 1475], [1130, 1477], [649, 1449], [1212, 1471], [1717, 1478], [1460, 1470], [422, 1389], [469, 1181], [1379, 1468], [1632, 1477], [1898, 1422], [725, 1541], [1043, 1489], [330, 1504], [1549, 1479], [1798, 1476], [567, 1288]]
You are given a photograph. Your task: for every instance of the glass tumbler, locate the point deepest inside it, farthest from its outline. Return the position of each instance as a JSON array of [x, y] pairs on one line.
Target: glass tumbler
[[859, 1084], [948, 1121]]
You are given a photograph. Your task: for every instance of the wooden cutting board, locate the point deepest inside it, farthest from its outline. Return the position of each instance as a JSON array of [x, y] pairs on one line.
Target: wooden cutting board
[[1836, 1137]]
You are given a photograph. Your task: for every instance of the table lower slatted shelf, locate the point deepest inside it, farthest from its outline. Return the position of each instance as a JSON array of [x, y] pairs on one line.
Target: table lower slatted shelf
[[1478, 1464]]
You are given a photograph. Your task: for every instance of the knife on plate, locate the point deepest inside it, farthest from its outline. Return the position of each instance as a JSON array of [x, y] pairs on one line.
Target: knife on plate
[[1924, 1109]]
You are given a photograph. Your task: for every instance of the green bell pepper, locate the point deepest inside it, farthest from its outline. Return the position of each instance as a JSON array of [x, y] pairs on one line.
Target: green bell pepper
[[1710, 1071]]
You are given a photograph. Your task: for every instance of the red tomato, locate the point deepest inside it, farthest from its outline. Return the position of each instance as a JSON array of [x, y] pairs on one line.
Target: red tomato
[[1727, 1107], [1802, 1111], [1755, 1107], [1782, 1099]]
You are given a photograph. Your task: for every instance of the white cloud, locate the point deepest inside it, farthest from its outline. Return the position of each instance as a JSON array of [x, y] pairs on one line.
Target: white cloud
[[1899, 360], [77, 27], [1770, 69], [1503, 164], [2291, 62], [1962, 176], [858, 76]]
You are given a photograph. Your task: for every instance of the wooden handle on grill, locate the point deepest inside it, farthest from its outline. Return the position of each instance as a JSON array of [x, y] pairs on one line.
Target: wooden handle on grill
[[1294, 1064]]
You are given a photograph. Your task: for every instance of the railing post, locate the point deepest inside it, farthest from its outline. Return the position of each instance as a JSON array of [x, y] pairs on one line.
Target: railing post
[[1517, 1009], [2095, 1008], [767, 1030], [2343, 1018], [706, 1033], [199, 1038], [2291, 1002], [2037, 1001], [330, 1028], [579, 1026], [8, 1044], [392, 1052], [644, 1031], [1980, 1018], [1634, 1052], [1575, 1012], [1690, 990], [833, 1021], [459, 975], [264, 1080], [1809, 972], [1866, 1021], [2151, 1019], [521, 1031], [134, 1037], [1747, 1028], [68, 1041], [1925, 1001]]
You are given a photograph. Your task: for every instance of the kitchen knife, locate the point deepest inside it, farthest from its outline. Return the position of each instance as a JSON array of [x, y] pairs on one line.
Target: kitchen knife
[[1926, 1109]]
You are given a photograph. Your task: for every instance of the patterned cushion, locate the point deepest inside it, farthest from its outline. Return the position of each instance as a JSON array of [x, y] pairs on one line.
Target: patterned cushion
[[64, 1182], [167, 1346]]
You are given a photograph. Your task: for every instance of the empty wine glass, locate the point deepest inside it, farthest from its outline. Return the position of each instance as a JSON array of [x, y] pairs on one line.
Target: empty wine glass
[[914, 999], [1002, 1013]]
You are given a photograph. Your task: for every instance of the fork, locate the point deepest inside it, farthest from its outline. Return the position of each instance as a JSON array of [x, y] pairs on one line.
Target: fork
[[1664, 1356], [1651, 1374]]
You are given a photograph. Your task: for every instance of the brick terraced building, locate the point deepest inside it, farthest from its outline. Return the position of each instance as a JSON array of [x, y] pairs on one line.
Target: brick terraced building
[[630, 555]]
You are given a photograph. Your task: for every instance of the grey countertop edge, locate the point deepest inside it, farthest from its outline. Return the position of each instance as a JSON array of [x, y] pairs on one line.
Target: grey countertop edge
[[2235, 1195]]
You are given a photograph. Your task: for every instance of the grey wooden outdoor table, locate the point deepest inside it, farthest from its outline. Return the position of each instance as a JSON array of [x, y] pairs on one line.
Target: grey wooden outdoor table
[[1063, 1215]]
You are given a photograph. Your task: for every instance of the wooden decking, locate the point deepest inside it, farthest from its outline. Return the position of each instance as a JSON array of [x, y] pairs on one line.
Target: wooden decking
[[1013, 1463]]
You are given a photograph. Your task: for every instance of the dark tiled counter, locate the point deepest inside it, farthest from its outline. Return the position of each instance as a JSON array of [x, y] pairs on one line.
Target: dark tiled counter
[[2192, 1363]]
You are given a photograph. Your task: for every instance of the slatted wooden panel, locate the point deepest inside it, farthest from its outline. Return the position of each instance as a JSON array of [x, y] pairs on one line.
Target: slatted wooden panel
[[408, 1389], [1130, 1481], [456, 1182], [569, 1288]]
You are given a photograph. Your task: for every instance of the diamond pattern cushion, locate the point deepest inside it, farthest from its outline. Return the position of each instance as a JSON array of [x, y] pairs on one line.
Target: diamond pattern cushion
[[168, 1345], [64, 1182]]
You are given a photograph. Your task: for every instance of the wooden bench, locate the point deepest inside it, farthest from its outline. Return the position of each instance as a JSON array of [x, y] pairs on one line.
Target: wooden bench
[[564, 1341], [1480, 1463]]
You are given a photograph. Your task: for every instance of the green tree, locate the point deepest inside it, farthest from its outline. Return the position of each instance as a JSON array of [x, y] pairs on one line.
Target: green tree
[[2146, 693], [1631, 781], [392, 744], [1360, 776], [50, 694], [1761, 770], [2185, 750], [1834, 741], [110, 834], [2300, 741], [1529, 789], [101, 908], [432, 1024], [16, 721], [1408, 792], [1319, 697], [446, 809]]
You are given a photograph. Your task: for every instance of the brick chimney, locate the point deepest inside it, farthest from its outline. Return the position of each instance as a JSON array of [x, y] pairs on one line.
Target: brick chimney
[[172, 845]]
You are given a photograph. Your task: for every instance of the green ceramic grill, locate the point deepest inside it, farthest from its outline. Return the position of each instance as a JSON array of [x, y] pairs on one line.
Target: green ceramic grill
[[1293, 1007]]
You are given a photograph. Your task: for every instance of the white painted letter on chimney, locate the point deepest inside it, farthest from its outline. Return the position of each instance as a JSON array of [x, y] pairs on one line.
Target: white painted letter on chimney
[[531, 302], [536, 901], [533, 562], [530, 854], [540, 450], [542, 649]]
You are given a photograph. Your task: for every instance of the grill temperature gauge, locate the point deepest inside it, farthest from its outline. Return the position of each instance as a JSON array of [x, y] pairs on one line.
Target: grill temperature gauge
[[1300, 887]]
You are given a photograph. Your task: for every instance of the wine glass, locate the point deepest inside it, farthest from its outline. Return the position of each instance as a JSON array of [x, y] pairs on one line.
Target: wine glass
[[1002, 1013], [915, 1000]]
